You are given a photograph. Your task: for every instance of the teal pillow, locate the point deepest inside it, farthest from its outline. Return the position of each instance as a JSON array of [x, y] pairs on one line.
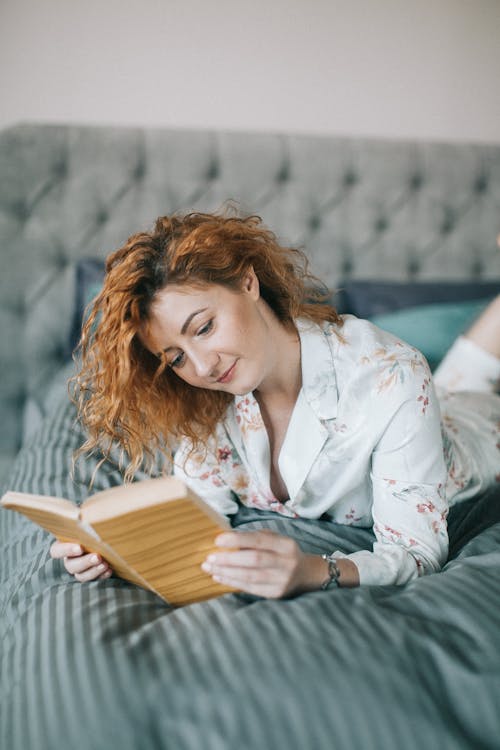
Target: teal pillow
[[431, 328]]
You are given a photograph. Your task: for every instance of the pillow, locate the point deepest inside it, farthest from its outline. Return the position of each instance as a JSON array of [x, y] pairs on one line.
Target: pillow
[[368, 298], [88, 283], [427, 314], [431, 328]]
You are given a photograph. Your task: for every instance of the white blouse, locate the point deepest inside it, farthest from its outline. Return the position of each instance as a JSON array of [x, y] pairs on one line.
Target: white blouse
[[364, 445]]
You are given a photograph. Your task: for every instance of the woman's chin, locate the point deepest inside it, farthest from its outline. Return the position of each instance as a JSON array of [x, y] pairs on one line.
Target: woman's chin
[[240, 388], [236, 390]]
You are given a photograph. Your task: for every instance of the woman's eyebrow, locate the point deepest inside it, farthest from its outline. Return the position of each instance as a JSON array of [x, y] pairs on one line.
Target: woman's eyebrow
[[190, 318], [183, 329]]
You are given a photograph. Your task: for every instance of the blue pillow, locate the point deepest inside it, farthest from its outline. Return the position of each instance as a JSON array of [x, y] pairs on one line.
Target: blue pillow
[[88, 284], [431, 328], [366, 298], [400, 307]]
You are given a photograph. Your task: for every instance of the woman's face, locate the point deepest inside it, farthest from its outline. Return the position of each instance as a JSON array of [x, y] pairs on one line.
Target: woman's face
[[213, 337]]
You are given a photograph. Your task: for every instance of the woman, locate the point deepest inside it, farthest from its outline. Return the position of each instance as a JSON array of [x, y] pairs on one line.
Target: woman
[[205, 336]]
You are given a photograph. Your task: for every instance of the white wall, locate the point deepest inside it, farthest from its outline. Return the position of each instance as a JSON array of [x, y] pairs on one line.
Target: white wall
[[390, 68]]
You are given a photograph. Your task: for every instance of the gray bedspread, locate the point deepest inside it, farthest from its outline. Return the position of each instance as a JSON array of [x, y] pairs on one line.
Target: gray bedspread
[[107, 665]]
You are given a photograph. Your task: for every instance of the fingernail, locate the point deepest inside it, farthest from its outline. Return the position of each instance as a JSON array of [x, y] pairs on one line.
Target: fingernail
[[206, 567], [76, 550], [94, 559], [211, 559], [101, 567]]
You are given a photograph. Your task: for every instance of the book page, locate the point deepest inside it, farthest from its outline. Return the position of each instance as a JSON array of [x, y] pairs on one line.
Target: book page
[[56, 515], [62, 519], [116, 501]]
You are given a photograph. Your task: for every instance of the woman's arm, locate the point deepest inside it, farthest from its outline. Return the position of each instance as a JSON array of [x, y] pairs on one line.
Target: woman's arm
[[267, 564], [262, 563], [409, 503]]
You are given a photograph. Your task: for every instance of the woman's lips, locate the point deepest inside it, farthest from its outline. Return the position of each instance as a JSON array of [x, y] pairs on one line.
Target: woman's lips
[[226, 377]]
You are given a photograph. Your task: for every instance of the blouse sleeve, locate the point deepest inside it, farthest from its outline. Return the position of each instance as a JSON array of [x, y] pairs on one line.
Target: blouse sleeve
[[408, 484], [200, 470]]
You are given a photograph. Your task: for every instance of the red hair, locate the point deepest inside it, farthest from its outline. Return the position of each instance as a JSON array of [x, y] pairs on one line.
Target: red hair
[[127, 395]]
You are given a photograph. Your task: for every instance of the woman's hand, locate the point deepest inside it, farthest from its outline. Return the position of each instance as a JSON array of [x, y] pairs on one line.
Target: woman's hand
[[265, 564], [84, 566]]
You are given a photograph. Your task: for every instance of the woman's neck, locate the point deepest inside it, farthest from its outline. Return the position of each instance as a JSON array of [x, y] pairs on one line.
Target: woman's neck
[[284, 381]]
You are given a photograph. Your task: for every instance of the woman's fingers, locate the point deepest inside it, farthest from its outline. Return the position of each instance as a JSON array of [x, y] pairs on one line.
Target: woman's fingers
[[107, 574], [59, 550], [84, 567], [258, 562], [264, 540], [244, 558], [244, 569], [264, 589]]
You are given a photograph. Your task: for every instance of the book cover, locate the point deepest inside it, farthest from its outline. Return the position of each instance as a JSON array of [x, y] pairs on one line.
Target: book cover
[[155, 533]]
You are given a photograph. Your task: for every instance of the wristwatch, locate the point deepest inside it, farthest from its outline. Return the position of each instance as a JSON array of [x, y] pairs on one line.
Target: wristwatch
[[333, 572]]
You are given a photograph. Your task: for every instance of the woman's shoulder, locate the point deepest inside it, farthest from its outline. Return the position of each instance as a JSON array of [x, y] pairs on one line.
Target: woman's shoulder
[[360, 335], [376, 358], [357, 341]]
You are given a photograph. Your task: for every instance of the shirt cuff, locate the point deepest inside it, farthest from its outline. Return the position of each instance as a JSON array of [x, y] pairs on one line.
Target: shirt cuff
[[392, 566]]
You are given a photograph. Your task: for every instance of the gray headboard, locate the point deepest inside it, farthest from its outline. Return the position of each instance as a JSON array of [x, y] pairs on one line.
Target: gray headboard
[[361, 208]]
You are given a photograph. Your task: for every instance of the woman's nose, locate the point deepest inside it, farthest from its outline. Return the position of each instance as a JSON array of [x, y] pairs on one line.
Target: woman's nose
[[205, 363]]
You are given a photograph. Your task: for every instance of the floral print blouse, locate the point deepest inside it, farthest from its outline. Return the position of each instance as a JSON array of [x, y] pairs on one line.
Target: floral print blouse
[[364, 445]]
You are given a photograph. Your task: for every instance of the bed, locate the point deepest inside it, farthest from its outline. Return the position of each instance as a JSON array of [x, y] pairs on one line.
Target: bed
[[402, 230]]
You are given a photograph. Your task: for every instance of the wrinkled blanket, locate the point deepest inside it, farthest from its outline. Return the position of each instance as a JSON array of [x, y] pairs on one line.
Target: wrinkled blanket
[[107, 664]]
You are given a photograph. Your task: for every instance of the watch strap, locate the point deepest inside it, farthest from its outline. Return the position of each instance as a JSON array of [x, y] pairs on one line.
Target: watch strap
[[333, 572]]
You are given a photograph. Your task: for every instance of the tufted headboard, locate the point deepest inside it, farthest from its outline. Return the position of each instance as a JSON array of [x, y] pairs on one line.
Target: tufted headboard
[[361, 208]]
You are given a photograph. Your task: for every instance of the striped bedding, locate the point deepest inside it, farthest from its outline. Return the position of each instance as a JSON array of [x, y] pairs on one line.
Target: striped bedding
[[107, 665]]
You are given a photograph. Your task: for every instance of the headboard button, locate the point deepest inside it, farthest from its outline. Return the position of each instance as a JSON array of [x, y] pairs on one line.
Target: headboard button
[[61, 262], [347, 267], [416, 182], [139, 171], [477, 268], [481, 184], [413, 267], [314, 223], [448, 223], [283, 173], [381, 224], [21, 210], [350, 179], [60, 169], [213, 171]]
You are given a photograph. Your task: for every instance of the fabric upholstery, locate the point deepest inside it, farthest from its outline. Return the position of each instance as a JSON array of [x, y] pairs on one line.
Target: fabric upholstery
[[361, 208]]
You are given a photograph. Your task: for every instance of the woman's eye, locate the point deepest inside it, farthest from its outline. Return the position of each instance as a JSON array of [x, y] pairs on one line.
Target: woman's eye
[[177, 361], [206, 328]]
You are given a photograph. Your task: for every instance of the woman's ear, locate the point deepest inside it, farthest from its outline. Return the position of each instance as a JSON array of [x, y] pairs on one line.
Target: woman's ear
[[251, 284]]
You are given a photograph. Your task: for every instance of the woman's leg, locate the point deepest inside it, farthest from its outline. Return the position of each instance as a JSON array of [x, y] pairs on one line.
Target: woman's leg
[[485, 331], [473, 362]]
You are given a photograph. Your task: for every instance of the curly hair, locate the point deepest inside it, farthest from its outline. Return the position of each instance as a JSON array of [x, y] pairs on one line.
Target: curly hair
[[128, 396]]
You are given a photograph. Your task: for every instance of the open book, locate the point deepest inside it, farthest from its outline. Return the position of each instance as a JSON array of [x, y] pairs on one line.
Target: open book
[[155, 533]]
